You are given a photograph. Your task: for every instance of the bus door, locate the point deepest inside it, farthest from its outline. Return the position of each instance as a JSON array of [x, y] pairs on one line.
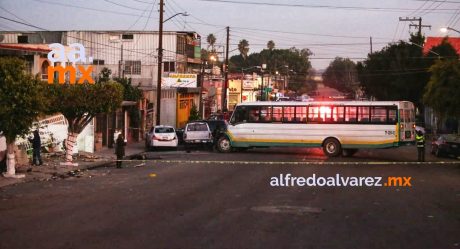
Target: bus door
[[406, 125]]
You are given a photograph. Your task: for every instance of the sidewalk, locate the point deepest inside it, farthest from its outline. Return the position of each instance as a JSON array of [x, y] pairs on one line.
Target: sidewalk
[[51, 168]]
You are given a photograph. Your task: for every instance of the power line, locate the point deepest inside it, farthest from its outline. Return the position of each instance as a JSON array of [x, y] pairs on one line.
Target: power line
[[124, 6], [319, 6]]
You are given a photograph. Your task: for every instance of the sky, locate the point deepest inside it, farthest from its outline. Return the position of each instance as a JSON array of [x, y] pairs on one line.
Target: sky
[[328, 28]]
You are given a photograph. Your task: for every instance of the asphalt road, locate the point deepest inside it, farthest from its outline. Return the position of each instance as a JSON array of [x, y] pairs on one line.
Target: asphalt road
[[208, 200]]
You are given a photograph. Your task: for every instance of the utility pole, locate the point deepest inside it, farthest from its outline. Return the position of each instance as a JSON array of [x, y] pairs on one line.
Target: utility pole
[[224, 88], [201, 88], [121, 70], [413, 19], [160, 63], [370, 41]]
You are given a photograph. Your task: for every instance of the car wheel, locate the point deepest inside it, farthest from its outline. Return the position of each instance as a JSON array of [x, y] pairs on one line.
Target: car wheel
[[223, 145], [332, 147]]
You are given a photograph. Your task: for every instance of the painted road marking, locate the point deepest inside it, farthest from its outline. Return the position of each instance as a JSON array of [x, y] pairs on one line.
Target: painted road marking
[[299, 163]]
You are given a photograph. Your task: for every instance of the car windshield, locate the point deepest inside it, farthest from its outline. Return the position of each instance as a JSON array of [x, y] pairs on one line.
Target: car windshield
[[452, 137], [164, 130], [197, 127]]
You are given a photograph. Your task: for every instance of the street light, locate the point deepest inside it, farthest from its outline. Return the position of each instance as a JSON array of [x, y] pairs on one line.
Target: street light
[[446, 29], [160, 57]]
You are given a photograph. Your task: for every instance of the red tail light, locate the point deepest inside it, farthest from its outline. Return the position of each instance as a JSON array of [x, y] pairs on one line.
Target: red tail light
[[155, 137]]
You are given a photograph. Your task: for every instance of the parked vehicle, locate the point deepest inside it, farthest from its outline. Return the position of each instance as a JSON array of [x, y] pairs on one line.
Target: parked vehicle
[[217, 128], [161, 136], [446, 145], [197, 133]]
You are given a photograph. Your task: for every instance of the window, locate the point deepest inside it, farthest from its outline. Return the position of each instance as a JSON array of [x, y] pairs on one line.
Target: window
[[133, 67], [197, 127], [378, 115], [363, 114], [98, 62], [288, 114], [392, 116], [325, 114], [23, 39], [277, 114], [181, 44], [313, 114], [169, 66], [338, 114], [164, 130], [265, 114], [254, 115], [239, 115], [301, 114], [350, 114], [127, 36]]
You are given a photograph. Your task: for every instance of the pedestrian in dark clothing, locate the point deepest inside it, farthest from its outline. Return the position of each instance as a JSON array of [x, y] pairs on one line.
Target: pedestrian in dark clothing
[[36, 146], [120, 149], [420, 140]]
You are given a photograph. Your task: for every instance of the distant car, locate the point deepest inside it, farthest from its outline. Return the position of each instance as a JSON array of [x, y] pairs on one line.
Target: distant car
[[283, 99], [161, 136], [446, 145], [197, 133]]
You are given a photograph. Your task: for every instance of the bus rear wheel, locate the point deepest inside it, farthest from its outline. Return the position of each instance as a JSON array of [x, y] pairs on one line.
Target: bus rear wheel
[[332, 147], [223, 145]]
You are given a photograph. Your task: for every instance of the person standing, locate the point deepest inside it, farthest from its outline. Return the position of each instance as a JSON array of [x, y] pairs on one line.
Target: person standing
[[420, 141], [36, 146], [120, 149]]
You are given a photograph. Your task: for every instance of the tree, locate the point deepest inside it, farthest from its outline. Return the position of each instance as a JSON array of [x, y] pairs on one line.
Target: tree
[[131, 93], [194, 114], [243, 47], [211, 39], [21, 102], [443, 91], [341, 74], [80, 103], [270, 45], [397, 72]]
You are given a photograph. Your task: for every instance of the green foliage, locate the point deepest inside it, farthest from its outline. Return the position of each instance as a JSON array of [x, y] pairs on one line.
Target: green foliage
[[243, 47], [341, 74], [79, 103], [270, 45], [194, 114], [211, 40], [105, 74], [131, 93], [443, 89], [400, 70], [397, 72], [21, 98]]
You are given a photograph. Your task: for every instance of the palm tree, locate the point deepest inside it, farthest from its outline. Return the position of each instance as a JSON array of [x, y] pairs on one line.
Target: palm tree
[[243, 47], [211, 39], [270, 45]]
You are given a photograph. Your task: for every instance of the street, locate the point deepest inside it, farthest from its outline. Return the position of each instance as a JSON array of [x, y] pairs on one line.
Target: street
[[204, 199]]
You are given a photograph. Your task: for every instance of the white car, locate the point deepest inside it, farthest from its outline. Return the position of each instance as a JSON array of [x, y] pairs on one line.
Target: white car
[[161, 136], [196, 133]]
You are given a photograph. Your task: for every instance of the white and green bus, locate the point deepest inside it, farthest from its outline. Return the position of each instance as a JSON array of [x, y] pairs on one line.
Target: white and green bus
[[339, 127]]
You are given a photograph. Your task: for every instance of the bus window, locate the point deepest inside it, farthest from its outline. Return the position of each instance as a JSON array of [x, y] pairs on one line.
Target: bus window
[[378, 115], [301, 114], [288, 114], [313, 114], [363, 114], [392, 118], [277, 114], [240, 115], [350, 114], [265, 114], [325, 114], [338, 114], [253, 115]]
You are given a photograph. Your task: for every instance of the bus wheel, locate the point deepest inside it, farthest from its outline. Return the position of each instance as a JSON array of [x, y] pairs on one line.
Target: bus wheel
[[331, 147], [223, 144], [349, 152]]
